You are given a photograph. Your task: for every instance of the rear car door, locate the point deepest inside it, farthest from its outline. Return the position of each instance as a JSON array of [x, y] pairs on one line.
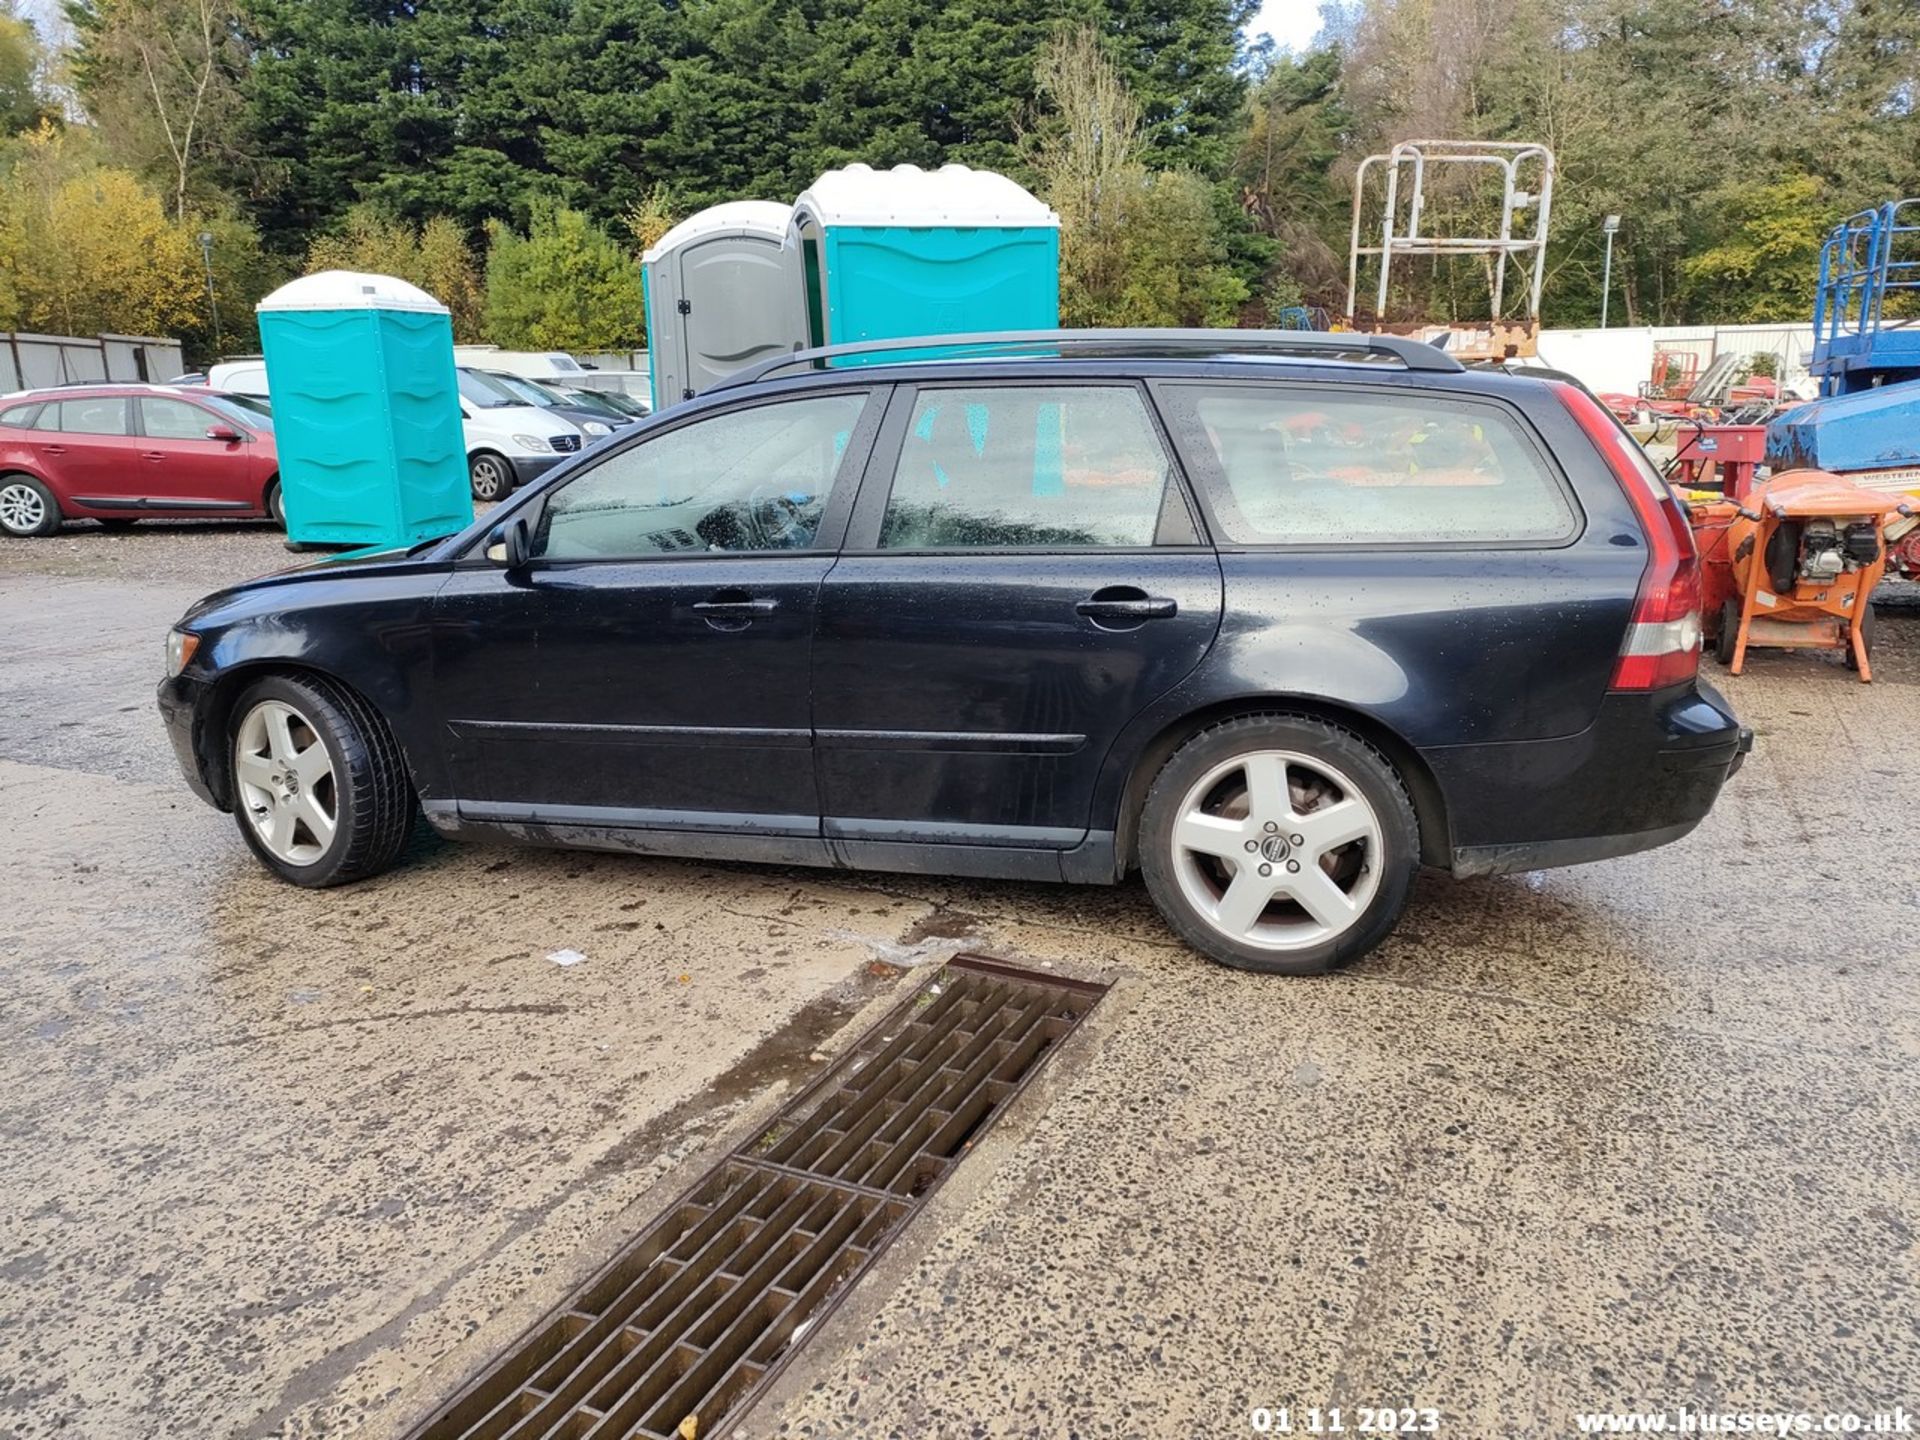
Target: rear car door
[[1023, 576], [93, 450], [649, 669], [183, 465]]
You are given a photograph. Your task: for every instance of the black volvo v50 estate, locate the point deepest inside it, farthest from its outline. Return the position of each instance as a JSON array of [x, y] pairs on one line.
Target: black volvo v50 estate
[[1274, 619]]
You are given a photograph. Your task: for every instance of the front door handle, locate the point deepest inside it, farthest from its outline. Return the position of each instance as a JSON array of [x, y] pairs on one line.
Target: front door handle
[[734, 609], [1144, 607], [153, 454]]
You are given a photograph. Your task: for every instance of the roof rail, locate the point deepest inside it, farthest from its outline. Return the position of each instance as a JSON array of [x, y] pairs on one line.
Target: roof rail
[[1217, 344]]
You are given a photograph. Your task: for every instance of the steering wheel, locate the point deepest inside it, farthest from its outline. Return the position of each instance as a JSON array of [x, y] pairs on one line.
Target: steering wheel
[[775, 519]]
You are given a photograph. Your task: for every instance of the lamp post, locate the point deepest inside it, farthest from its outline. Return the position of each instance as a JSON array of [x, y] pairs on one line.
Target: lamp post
[[213, 305], [1609, 226]]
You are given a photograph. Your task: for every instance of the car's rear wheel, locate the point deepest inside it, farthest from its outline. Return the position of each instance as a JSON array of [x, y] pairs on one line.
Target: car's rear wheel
[[318, 785], [1279, 843], [276, 504], [490, 476], [27, 507]]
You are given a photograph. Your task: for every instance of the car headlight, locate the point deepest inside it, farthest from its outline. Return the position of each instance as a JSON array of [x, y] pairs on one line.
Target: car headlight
[[180, 647], [594, 427], [530, 442]]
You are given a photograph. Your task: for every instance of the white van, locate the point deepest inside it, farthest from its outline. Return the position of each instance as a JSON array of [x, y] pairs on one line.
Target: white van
[[508, 442]]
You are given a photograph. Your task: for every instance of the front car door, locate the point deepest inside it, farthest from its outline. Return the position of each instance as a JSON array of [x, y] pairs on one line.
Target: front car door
[[648, 672], [1023, 577], [181, 465]]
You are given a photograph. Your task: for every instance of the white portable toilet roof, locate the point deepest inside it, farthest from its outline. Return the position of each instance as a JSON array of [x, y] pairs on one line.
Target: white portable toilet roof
[[349, 290], [748, 217], [953, 195]]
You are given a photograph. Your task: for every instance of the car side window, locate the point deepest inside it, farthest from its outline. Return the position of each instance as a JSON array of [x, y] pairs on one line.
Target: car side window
[[99, 415], [1027, 466], [164, 419], [746, 480], [20, 416], [1286, 465]]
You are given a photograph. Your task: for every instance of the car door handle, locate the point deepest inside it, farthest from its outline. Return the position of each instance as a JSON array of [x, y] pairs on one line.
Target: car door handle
[[54, 449], [153, 454], [735, 609], [1146, 607]]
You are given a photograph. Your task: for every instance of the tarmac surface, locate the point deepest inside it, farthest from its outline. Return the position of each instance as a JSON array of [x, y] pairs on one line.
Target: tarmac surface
[[1638, 1135]]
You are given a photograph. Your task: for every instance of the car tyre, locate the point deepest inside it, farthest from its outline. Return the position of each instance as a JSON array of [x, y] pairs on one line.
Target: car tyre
[[1322, 810], [276, 504], [317, 782], [27, 508], [490, 476]]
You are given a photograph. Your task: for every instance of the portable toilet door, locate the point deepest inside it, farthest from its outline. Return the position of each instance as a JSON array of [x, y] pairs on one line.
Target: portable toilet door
[[722, 292], [366, 410], [891, 254]]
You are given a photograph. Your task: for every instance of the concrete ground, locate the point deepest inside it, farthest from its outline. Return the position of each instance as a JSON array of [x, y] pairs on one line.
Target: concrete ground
[[1642, 1134]]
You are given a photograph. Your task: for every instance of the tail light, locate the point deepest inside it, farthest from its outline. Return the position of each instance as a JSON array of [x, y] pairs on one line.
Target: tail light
[[1663, 639]]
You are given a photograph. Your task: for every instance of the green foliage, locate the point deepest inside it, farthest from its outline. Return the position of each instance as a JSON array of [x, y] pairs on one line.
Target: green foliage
[[435, 256], [23, 105], [565, 285], [1760, 268], [1136, 247], [87, 248]]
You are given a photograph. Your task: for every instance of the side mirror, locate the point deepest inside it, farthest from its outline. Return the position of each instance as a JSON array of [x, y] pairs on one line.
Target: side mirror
[[224, 433], [510, 546]]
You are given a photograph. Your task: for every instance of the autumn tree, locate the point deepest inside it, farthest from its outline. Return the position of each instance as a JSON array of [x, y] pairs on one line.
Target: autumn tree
[[23, 102], [565, 285], [1137, 247], [161, 81], [89, 248], [434, 255]]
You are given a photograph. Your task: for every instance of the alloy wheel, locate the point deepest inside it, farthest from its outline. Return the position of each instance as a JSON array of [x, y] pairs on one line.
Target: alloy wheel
[[489, 478], [286, 783], [21, 508], [1277, 850]]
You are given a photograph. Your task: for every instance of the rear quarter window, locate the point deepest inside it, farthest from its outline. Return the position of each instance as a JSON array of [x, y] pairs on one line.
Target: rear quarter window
[[20, 416], [1287, 465]]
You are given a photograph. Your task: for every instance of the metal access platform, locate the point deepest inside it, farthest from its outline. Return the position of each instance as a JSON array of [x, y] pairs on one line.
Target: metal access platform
[[1866, 313]]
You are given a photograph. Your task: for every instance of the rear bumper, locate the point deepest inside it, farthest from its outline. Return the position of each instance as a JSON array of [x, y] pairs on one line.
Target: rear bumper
[[1644, 774]]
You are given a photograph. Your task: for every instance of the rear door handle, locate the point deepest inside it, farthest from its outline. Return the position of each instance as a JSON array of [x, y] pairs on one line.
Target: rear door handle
[[54, 449], [153, 454], [1150, 607]]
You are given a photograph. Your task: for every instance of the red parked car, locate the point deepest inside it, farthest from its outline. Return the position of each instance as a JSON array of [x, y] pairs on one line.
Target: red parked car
[[120, 453]]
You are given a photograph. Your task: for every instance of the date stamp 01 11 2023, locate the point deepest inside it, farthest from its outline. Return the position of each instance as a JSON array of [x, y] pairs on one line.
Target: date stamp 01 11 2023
[[1342, 1420]]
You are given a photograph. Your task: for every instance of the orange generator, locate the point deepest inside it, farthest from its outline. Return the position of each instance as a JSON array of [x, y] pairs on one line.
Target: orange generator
[[1793, 564]]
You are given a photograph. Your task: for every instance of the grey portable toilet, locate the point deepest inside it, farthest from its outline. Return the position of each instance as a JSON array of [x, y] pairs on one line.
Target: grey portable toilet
[[722, 292]]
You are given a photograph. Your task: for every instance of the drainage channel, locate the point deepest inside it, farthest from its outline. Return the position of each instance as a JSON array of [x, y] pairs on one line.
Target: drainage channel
[[692, 1320]]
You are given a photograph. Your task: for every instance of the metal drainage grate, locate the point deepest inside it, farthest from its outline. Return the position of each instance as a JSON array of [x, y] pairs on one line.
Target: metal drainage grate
[[699, 1313]]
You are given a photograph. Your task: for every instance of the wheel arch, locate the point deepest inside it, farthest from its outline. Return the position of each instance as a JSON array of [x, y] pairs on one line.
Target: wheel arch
[[216, 714], [1429, 802]]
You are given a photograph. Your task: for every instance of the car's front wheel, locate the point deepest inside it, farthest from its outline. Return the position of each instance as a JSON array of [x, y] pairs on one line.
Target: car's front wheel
[[490, 476], [319, 788], [27, 507], [1279, 843]]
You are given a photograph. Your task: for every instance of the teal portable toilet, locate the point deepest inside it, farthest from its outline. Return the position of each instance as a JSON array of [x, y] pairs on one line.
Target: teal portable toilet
[[890, 254], [366, 411]]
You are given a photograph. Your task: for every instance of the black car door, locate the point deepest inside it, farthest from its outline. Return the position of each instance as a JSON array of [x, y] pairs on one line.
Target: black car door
[[649, 668], [1021, 579]]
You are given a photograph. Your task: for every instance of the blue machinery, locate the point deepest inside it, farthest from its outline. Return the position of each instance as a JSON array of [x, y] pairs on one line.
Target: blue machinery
[[1866, 355]]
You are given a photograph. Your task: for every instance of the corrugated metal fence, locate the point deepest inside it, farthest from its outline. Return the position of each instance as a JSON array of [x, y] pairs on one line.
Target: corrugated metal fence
[[30, 361]]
